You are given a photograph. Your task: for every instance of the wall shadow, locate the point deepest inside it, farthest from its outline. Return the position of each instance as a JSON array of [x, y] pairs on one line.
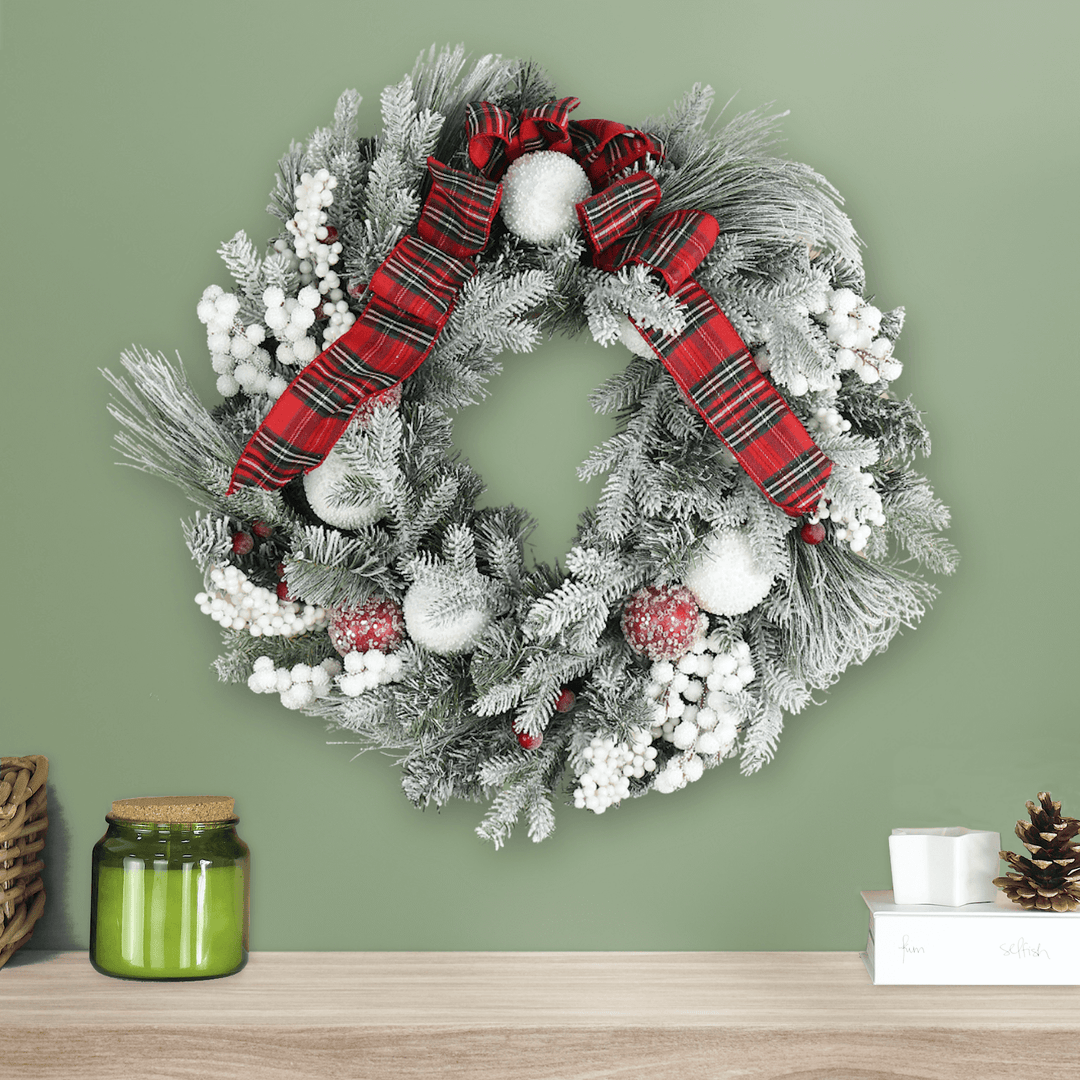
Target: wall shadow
[[56, 928]]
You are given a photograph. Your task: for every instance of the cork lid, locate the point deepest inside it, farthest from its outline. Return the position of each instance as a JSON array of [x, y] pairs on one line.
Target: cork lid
[[174, 809]]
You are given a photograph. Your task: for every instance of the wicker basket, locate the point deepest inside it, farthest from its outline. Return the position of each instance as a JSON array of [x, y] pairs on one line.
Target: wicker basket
[[22, 837]]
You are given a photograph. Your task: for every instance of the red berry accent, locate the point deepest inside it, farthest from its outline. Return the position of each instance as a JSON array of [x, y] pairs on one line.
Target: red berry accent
[[283, 590], [243, 543], [280, 569], [358, 290], [565, 701], [659, 621], [527, 741], [331, 235], [262, 530], [377, 624], [812, 533]]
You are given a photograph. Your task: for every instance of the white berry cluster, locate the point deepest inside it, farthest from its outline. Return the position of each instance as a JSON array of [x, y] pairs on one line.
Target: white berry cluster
[[853, 324], [829, 421], [854, 521], [366, 670], [238, 604], [235, 349], [298, 686], [290, 317], [607, 779], [318, 256], [694, 708]]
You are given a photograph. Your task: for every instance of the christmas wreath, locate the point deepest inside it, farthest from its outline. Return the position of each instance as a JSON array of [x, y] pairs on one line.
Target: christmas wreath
[[759, 501]]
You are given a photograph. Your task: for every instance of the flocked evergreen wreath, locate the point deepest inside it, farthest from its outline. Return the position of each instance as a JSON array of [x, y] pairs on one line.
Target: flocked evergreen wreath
[[354, 575]]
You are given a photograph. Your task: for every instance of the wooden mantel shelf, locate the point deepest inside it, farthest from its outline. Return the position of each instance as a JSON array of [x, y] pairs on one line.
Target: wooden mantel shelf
[[528, 1016]]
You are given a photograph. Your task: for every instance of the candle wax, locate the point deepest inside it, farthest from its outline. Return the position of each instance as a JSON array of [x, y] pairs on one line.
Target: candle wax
[[159, 921]]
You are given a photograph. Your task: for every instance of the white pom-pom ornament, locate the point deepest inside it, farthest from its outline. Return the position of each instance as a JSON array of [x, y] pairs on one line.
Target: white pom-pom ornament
[[540, 191], [323, 487], [457, 634], [724, 576], [632, 339]]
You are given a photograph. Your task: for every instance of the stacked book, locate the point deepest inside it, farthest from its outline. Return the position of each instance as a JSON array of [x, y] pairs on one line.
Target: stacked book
[[990, 944]]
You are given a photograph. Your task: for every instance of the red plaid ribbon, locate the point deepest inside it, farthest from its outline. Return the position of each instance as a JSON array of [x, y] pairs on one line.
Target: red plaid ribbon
[[601, 147], [708, 359], [412, 295], [414, 290]]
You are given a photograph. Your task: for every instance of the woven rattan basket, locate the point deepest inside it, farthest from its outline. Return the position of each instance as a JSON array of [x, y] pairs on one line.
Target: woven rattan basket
[[22, 838]]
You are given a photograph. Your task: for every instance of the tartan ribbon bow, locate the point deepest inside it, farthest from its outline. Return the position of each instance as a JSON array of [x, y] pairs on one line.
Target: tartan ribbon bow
[[414, 290], [708, 359], [411, 296], [601, 147]]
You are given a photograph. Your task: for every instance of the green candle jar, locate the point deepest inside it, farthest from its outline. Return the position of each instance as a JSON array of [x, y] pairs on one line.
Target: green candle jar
[[169, 892]]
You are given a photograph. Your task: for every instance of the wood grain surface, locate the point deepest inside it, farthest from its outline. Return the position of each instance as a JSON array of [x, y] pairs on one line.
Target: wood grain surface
[[535, 1016]]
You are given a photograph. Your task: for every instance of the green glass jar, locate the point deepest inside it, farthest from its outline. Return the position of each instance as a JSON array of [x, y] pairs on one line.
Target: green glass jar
[[169, 891]]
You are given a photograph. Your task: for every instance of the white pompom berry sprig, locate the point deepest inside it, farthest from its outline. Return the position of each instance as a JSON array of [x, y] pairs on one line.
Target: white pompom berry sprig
[[314, 241], [695, 708], [236, 352], [540, 193], [694, 699], [854, 325], [236, 603], [318, 250], [612, 765], [367, 669], [298, 686], [828, 421], [290, 318]]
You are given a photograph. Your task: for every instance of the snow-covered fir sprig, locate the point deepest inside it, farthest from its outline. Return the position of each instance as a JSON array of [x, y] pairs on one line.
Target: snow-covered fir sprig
[[488, 676], [630, 292]]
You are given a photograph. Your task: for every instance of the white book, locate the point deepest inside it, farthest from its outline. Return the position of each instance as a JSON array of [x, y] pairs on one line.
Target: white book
[[987, 944]]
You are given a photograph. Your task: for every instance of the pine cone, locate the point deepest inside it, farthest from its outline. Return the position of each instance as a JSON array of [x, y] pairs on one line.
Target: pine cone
[[1050, 879]]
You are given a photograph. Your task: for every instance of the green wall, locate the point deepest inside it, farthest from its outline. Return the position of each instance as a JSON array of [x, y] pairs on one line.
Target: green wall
[[136, 136]]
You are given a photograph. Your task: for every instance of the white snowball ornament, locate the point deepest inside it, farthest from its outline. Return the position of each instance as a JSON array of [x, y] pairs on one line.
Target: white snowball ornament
[[323, 487], [447, 637], [724, 576], [540, 191], [632, 339]]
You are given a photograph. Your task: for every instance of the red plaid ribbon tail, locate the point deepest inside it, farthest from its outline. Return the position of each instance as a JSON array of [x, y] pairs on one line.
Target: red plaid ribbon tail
[[411, 296], [708, 359]]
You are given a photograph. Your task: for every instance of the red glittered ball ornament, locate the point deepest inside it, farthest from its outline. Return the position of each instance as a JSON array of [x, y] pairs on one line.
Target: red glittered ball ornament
[[812, 532], [376, 624], [660, 621]]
